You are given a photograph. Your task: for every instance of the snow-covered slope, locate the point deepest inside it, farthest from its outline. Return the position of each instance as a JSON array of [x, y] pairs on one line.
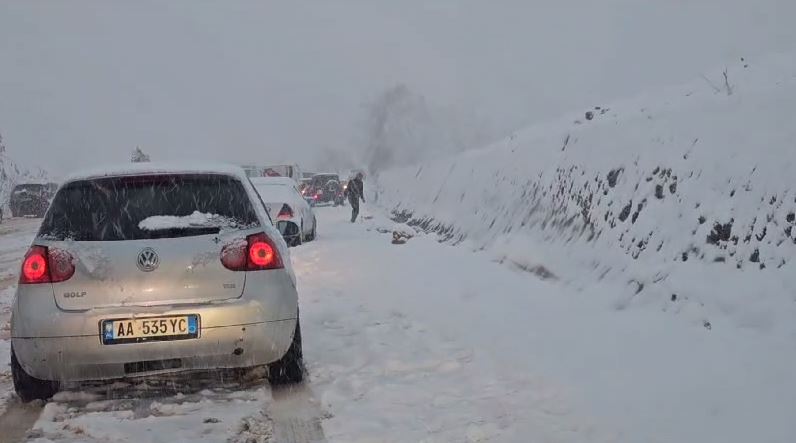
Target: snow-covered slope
[[685, 198]]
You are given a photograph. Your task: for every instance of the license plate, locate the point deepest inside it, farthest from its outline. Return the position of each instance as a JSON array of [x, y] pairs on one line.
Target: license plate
[[137, 330]]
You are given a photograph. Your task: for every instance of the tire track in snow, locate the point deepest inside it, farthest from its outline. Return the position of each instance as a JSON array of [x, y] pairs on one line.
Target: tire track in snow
[[296, 415], [202, 407], [17, 420]]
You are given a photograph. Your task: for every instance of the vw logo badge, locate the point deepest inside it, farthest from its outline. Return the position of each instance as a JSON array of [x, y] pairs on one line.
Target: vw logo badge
[[148, 260]]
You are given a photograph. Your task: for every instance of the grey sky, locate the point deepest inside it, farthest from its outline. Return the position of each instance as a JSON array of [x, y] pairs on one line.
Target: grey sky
[[86, 81]]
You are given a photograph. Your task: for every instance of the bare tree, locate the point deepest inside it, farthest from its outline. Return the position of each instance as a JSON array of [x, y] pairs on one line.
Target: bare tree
[[715, 88], [138, 156], [727, 86], [382, 125], [402, 128]]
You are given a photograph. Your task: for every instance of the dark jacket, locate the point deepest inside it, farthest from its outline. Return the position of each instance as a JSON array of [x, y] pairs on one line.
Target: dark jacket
[[355, 190]]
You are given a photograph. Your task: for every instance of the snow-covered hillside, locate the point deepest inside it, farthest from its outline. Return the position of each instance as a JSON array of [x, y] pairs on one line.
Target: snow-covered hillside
[[684, 197]]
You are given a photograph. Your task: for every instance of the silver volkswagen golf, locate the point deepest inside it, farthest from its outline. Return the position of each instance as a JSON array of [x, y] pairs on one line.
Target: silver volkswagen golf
[[150, 270]]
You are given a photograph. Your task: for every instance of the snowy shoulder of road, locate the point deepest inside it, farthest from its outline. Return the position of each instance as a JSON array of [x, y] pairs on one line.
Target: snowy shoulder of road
[[15, 238], [662, 230], [429, 342], [680, 200]]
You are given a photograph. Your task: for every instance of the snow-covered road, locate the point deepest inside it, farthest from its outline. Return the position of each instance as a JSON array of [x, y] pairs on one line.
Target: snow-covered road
[[15, 237], [435, 343], [430, 342]]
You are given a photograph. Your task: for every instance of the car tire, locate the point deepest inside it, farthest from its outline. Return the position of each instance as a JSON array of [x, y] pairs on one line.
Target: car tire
[[300, 237], [29, 388], [311, 235], [290, 368], [314, 229]]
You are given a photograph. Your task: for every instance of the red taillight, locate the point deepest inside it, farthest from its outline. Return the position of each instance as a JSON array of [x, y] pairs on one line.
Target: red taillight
[[43, 265], [34, 266], [233, 255], [261, 253], [256, 253], [285, 213], [62, 266]]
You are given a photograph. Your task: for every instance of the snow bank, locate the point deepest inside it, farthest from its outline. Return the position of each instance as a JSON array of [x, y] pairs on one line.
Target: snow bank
[[685, 198]]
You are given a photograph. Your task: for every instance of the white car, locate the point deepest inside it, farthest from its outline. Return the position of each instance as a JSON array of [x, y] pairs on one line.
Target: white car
[[289, 210], [148, 269]]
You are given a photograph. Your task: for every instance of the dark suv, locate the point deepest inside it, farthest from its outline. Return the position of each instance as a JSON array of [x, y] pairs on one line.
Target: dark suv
[[324, 189], [31, 199]]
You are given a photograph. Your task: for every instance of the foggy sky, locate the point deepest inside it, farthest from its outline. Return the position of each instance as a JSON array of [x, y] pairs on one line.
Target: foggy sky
[[83, 82]]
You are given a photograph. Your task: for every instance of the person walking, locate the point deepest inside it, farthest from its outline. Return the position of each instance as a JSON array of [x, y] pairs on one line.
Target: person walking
[[355, 191]]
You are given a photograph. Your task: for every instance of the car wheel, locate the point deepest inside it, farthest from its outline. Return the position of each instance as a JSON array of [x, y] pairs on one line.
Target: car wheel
[[300, 237], [308, 237], [30, 388], [290, 368]]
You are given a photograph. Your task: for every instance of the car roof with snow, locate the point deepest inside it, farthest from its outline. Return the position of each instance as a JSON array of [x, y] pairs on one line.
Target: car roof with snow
[[129, 169], [279, 193]]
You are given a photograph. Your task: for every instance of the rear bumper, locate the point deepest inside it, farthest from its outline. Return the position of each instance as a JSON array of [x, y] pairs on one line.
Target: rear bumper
[[52, 344], [85, 358]]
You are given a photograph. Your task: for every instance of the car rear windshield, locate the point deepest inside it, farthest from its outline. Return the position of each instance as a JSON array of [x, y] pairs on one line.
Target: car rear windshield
[[147, 207], [321, 180]]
